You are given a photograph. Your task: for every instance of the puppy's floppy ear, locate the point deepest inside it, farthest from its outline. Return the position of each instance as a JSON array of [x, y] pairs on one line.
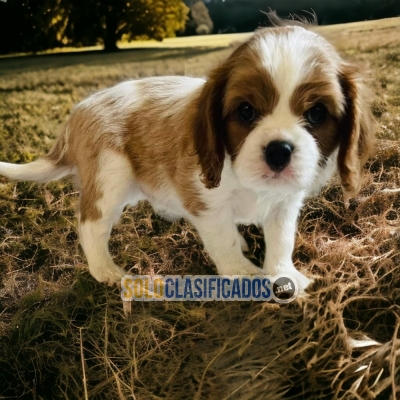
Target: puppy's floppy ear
[[356, 131], [209, 127]]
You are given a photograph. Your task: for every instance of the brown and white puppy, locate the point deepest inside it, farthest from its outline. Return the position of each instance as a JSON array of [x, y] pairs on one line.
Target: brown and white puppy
[[270, 125]]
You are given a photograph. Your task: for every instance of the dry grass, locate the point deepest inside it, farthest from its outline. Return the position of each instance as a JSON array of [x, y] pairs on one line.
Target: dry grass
[[63, 335]]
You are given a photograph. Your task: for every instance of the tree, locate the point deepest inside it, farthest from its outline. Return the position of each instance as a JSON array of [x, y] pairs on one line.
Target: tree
[[33, 25], [106, 21]]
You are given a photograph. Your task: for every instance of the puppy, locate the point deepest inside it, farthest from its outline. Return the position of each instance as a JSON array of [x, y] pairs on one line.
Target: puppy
[[270, 125]]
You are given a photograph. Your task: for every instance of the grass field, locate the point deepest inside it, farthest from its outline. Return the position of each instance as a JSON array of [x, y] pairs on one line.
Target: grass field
[[63, 335]]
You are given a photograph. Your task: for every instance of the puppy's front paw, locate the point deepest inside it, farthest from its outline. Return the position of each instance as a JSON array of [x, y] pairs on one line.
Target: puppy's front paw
[[109, 273], [302, 281]]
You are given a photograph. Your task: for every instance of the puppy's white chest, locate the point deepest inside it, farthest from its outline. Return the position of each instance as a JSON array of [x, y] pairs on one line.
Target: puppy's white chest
[[244, 206]]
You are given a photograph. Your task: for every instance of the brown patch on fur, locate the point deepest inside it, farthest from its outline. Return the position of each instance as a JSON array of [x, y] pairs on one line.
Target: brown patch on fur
[[357, 129], [79, 145], [322, 91], [252, 84], [326, 135], [216, 124], [89, 191], [208, 127], [81, 150], [168, 157], [57, 154], [311, 92], [237, 131]]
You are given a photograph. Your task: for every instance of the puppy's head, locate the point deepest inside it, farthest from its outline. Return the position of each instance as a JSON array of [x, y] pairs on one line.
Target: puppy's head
[[285, 108]]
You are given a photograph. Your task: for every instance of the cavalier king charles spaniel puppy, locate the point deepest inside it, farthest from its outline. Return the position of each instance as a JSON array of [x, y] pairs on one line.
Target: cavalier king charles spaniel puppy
[[268, 127]]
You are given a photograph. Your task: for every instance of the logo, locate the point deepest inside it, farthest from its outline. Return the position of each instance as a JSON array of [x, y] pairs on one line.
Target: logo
[[282, 288]]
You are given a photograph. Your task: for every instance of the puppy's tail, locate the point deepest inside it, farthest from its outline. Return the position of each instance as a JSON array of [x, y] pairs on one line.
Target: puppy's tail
[[51, 167]]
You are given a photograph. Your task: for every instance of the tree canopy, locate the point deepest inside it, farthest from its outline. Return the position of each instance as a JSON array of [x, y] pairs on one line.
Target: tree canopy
[[33, 25]]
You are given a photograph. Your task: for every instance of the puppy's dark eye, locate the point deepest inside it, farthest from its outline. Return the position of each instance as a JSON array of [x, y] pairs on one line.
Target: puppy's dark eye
[[246, 112], [316, 114]]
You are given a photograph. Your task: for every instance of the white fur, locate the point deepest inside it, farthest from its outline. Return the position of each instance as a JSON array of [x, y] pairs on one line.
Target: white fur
[[41, 170]]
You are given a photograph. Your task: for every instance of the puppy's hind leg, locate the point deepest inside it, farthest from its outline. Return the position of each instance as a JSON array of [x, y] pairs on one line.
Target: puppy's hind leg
[[103, 197], [94, 235]]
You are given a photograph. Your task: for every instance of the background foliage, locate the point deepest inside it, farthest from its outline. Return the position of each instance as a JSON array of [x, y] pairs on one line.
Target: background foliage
[[43, 24]]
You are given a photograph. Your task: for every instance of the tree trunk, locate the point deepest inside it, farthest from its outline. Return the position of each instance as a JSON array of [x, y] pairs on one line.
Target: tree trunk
[[110, 33], [110, 44]]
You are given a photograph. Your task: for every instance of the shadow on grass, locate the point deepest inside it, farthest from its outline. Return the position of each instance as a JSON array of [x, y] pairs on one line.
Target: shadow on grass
[[40, 62]]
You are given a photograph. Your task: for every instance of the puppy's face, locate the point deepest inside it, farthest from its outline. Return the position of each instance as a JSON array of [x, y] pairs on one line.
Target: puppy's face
[[283, 106]]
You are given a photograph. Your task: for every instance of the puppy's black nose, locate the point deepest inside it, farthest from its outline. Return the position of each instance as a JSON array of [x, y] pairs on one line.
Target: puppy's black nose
[[277, 155]]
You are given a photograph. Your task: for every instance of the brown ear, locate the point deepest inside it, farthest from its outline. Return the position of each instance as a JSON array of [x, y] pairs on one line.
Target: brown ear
[[356, 132], [209, 129]]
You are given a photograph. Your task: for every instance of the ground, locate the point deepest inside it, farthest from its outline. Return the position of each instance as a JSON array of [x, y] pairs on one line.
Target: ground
[[63, 335]]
